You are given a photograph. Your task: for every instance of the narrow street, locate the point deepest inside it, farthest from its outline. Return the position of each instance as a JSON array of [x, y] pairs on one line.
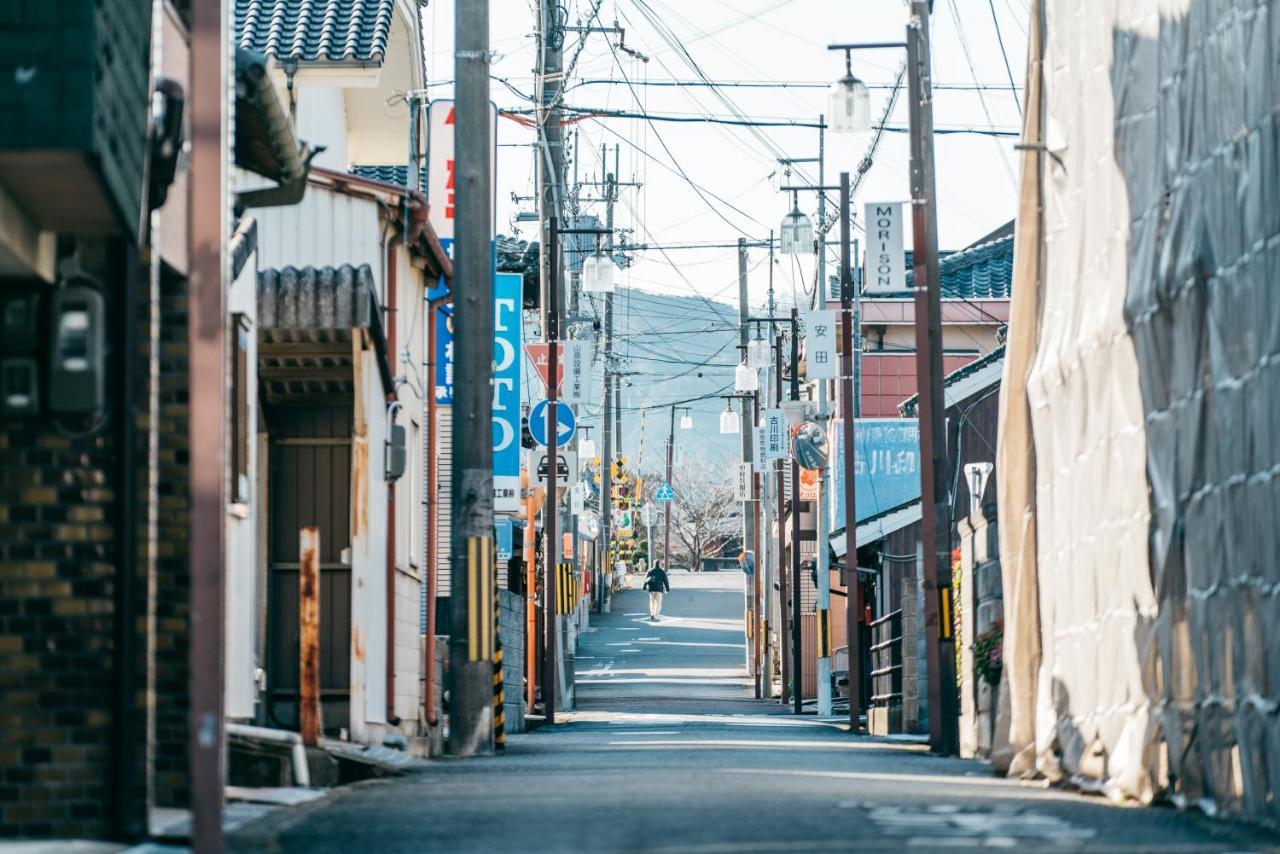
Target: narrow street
[[667, 752]]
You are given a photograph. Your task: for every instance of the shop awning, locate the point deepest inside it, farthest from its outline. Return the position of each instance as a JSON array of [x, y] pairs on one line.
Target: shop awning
[[307, 318]]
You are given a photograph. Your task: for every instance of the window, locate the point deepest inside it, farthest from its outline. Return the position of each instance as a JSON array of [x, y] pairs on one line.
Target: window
[[241, 483]]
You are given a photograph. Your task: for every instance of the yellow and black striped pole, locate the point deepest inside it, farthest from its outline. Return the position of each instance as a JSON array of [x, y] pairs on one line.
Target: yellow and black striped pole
[[499, 694]]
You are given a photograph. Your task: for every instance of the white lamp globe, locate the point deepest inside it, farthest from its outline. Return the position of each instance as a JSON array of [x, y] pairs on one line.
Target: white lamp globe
[[849, 105], [586, 449], [597, 274], [728, 421], [745, 379], [686, 422], [795, 236], [758, 353]]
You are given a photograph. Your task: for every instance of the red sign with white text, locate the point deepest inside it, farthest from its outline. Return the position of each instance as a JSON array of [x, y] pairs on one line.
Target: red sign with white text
[[539, 355]]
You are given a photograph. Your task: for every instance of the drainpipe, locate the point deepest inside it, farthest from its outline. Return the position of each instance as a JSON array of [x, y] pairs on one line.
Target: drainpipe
[[392, 243], [429, 556]]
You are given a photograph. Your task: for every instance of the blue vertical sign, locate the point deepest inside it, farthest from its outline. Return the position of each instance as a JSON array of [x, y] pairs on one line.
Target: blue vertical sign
[[886, 468], [507, 351], [444, 354]]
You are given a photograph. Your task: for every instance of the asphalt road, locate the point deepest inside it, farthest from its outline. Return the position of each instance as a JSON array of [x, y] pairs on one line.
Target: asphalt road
[[667, 752]]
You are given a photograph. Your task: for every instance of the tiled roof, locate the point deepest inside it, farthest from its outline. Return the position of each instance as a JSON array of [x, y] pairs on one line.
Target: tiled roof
[[398, 175], [315, 30], [983, 271]]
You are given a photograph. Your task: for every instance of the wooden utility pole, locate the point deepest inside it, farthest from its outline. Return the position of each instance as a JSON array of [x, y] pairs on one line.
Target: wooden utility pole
[[935, 521], [472, 596]]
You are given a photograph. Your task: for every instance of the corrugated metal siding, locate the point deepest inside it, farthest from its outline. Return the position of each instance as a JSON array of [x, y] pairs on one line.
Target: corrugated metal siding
[[444, 529], [325, 229]]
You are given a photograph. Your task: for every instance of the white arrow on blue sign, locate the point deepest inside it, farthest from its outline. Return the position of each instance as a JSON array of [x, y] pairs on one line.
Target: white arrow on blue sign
[[665, 493], [565, 423]]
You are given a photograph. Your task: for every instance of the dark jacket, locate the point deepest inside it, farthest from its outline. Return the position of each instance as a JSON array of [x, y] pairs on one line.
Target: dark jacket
[[656, 581]]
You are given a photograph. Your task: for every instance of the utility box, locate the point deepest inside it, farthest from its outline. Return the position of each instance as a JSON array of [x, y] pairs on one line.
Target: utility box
[[74, 80]]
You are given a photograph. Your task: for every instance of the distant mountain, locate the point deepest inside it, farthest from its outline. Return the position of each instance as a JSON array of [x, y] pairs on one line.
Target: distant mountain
[[674, 349]]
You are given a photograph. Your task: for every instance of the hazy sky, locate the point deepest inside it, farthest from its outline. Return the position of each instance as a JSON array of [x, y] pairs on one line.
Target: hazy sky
[[778, 41], [754, 40]]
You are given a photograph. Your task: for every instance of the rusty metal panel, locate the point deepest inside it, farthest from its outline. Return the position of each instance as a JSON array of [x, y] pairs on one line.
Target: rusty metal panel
[[309, 630]]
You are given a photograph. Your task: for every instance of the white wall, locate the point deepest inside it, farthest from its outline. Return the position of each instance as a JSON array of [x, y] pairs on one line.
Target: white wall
[[368, 552], [242, 535], [322, 120]]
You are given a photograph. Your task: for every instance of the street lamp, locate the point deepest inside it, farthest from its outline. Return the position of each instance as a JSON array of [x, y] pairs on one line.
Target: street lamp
[[795, 237], [597, 273], [728, 419], [849, 102], [686, 422], [745, 379], [586, 449]]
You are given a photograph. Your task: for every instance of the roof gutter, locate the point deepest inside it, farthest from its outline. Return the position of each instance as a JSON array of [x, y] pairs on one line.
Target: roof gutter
[[294, 157]]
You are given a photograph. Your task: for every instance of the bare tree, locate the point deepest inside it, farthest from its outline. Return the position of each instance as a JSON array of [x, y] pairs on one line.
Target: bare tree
[[706, 514]]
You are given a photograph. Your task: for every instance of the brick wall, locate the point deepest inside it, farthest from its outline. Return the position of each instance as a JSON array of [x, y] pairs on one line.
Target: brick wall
[[173, 605], [63, 752]]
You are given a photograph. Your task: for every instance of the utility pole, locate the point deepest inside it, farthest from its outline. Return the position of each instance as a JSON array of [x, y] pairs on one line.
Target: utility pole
[[935, 521], [207, 237], [666, 511], [752, 585], [472, 600], [784, 627], [797, 648], [848, 407], [550, 203], [606, 461]]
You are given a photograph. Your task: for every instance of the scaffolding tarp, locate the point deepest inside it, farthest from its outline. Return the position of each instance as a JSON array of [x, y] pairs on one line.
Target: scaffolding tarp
[[1154, 398]]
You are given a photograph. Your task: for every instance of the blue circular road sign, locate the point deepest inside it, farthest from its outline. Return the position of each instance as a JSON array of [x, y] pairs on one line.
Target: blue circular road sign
[[565, 423]]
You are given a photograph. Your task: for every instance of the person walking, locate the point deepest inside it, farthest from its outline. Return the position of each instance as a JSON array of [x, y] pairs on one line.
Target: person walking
[[656, 583]]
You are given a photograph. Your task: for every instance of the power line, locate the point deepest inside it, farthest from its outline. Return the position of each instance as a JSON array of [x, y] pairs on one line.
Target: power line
[[598, 112], [783, 84], [1013, 87]]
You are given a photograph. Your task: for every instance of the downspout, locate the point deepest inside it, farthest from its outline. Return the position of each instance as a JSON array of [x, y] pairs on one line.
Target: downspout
[[433, 511], [392, 243]]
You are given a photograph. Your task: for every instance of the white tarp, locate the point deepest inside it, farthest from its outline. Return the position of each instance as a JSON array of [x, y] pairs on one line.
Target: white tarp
[[1154, 400]]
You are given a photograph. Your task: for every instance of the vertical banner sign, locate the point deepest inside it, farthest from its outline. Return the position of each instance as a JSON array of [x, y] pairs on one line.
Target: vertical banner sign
[[441, 127], [507, 329], [762, 443], [820, 345], [885, 260], [444, 355], [776, 434], [577, 372], [742, 486]]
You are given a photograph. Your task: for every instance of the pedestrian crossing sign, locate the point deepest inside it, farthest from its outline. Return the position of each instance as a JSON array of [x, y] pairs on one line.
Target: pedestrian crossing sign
[[665, 493]]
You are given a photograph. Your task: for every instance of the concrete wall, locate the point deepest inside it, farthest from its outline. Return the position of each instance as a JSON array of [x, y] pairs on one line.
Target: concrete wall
[[511, 630], [981, 605]]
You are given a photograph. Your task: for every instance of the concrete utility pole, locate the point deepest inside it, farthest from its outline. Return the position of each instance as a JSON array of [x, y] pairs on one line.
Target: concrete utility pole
[[935, 522], [606, 461], [208, 220], [472, 599], [746, 423], [551, 196], [784, 622], [666, 511], [848, 408], [797, 648]]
